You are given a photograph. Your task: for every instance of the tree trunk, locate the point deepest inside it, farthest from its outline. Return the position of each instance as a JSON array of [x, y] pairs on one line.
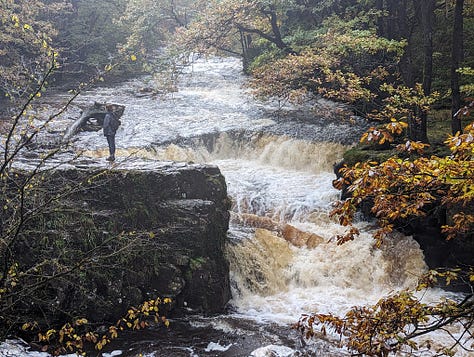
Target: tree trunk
[[245, 41], [380, 21], [427, 19], [418, 130], [456, 59], [395, 25], [392, 26], [96, 111], [275, 37], [406, 31]]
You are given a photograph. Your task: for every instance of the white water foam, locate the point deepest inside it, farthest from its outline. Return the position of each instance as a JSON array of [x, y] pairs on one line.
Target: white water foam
[[216, 346], [273, 351]]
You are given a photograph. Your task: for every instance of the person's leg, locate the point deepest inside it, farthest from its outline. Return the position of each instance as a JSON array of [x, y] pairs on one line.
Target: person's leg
[[111, 143]]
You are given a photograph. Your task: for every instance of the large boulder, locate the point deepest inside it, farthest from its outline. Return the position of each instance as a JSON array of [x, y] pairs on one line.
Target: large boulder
[[133, 235]]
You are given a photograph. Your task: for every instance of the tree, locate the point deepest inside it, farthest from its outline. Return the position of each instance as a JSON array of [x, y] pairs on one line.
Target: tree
[[89, 36], [228, 25], [418, 125], [353, 57], [26, 44], [400, 189], [344, 63], [151, 24]]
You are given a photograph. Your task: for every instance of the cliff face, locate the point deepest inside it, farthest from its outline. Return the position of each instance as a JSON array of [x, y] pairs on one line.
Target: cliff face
[[131, 235]]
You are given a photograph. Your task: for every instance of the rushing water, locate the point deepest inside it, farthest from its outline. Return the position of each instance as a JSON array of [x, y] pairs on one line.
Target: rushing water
[[278, 167]]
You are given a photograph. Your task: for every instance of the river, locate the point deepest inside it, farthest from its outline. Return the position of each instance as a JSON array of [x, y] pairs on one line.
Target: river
[[278, 164]]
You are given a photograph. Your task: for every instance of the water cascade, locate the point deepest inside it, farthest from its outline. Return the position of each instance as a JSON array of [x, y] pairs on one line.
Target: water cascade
[[284, 259], [283, 255]]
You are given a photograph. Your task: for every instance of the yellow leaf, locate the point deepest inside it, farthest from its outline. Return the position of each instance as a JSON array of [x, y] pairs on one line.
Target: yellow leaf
[[81, 321], [133, 58], [16, 20]]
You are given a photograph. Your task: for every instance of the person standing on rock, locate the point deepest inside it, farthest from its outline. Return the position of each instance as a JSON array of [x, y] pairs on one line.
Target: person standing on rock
[[110, 127]]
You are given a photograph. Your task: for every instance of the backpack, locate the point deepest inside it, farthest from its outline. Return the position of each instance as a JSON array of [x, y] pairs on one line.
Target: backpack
[[114, 122]]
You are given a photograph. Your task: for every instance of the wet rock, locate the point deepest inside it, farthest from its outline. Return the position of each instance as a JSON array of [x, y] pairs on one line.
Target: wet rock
[[300, 238], [140, 234], [440, 252], [290, 233], [256, 221]]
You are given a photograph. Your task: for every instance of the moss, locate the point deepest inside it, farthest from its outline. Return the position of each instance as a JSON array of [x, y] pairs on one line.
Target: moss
[[194, 264], [362, 153], [439, 127], [137, 213], [197, 263], [216, 181]]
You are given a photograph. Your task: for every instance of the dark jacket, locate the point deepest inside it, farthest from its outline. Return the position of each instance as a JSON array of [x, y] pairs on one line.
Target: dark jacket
[[109, 129]]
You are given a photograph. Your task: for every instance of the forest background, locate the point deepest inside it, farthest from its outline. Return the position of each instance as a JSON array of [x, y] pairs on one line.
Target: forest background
[[405, 66]]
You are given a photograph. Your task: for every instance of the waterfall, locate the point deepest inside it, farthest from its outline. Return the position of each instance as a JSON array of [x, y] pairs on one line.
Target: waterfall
[[282, 250], [283, 253]]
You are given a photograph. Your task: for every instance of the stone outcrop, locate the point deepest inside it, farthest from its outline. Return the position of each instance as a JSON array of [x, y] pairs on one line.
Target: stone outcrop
[[134, 235], [440, 252]]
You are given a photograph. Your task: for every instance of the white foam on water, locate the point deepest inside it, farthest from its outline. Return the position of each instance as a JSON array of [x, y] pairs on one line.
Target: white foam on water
[[216, 346], [273, 351], [210, 99]]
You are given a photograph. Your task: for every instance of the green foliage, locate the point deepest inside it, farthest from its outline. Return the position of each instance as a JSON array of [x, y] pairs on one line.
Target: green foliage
[[91, 36], [468, 88], [88, 34], [337, 65], [197, 263], [349, 51], [75, 254], [361, 153], [301, 39], [26, 44], [106, 32]]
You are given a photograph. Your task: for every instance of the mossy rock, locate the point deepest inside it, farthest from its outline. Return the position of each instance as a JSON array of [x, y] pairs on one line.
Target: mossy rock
[[439, 128], [363, 153]]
